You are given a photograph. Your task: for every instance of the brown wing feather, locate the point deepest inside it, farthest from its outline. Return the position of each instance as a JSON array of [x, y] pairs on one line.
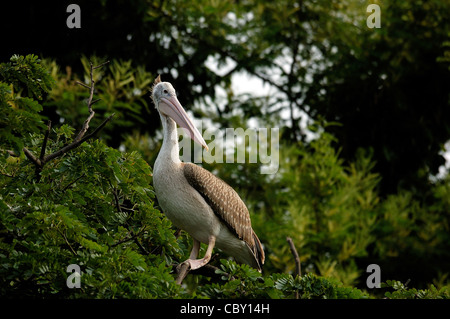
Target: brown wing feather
[[227, 205], [223, 199]]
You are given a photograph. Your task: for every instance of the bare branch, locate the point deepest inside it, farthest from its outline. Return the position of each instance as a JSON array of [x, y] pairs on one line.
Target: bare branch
[[98, 129], [210, 271], [296, 257], [95, 101], [126, 239], [297, 261], [85, 126], [100, 65], [67, 242], [11, 153], [91, 89], [6, 174], [32, 158], [82, 84], [182, 270]]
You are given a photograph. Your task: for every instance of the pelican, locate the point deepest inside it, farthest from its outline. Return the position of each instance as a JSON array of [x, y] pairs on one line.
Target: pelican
[[194, 199]]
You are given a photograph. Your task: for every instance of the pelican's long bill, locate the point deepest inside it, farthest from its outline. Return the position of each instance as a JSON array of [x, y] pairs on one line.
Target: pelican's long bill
[[172, 107]]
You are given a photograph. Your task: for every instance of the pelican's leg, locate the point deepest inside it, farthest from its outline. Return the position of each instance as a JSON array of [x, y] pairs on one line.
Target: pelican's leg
[[198, 263], [195, 249]]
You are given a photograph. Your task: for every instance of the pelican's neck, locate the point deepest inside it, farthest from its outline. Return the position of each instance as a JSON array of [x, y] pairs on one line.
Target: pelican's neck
[[169, 149]]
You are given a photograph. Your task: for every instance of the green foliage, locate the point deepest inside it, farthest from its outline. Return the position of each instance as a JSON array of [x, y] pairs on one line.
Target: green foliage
[[27, 73], [122, 88], [387, 86], [92, 207], [402, 292], [241, 281], [327, 208], [95, 206], [21, 80], [339, 222], [377, 84]]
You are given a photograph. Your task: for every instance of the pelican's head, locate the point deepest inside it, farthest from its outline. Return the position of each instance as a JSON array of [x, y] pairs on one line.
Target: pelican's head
[[167, 104]]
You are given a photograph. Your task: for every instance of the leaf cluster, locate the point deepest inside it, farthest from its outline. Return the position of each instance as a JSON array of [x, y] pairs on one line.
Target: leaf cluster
[[403, 292], [241, 281], [22, 81], [27, 73]]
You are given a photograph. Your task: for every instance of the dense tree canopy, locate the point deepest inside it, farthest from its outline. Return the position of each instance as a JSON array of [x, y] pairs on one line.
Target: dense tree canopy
[[388, 87], [361, 191]]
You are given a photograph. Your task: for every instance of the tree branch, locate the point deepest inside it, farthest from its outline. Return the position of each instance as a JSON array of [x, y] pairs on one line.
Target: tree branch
[[11, 153], [32, 158], [100, 65], [79, 139], [82, 84], [73, 182], [75, 144], [298, 268], [182, 270], [85, 126]]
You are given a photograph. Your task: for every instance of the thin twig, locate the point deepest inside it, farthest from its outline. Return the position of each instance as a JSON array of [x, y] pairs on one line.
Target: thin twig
[[100, 65], [298, 268], [297, 261], [82, 84], [32, 158], [407, 282], [73, 182], [67, 242], [126, 239], [85, 126], [177, 233], [91, 89], [137, 242], [133, 237], [95, 101]]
